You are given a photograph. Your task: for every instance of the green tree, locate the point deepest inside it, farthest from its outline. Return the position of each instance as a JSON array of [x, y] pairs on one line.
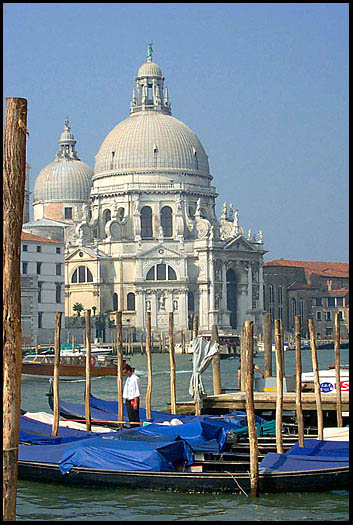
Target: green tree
[[78, 307]]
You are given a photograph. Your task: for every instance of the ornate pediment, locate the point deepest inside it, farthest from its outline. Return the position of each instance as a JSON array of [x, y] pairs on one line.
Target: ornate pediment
[[160, 252], [83, 253], [239, 243]]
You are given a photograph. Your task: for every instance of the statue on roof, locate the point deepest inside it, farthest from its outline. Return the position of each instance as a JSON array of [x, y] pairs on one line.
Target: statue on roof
[[149, 52]]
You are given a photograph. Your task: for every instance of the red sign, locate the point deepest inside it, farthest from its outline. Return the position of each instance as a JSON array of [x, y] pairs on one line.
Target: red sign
[[344, 385]]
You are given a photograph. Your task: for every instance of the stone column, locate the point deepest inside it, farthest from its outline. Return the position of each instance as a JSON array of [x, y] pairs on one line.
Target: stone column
[[140, 309], [211, 279], [261, 288], [249, 288]]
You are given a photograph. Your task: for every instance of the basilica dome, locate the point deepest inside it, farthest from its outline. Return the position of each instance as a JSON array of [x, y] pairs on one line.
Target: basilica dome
[[151, 139], [67, 178]]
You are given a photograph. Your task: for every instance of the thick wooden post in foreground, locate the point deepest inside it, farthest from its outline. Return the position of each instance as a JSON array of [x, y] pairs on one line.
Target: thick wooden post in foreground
[[250, 408], [14, 170], [298, 382], [149, 365], [54, 431], [279, 385], [172, 365], [119, 375], [337, 369], [320, 421], [88, 371], [267, 334], [216, 364]]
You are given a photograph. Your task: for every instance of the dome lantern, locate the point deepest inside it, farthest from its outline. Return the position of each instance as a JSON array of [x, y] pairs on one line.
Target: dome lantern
[[67, 144], [150, 88]]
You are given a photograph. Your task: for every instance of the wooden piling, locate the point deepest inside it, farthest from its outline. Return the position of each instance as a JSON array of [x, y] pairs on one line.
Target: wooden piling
[[337, 369], [149, 365], [216, 364], [88, 371], [267, 335], [243, 367], [320, 421], [279, 385], [298, 382], [141, 344], [119, 371], [195, 326], [55, 426], [250, 407], [172, 365], [14, 170]]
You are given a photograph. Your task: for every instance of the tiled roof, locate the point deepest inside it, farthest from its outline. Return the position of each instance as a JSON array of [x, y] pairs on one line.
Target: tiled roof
[[25, 236], [301, 286], [327, 269], [337, 293]]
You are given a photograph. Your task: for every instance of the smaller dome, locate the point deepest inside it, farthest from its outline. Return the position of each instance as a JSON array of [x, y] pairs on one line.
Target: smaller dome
[[149, 69], [63, 180], [67, 178]]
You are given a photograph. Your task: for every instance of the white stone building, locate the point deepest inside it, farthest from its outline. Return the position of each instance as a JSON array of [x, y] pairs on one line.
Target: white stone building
[[42, 287], [148, 238]]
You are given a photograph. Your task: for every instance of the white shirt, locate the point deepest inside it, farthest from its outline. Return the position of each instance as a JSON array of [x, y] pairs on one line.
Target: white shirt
[[132, 387]]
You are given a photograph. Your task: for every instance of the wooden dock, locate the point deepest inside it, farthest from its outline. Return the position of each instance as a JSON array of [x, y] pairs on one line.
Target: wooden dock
[[227, 402]]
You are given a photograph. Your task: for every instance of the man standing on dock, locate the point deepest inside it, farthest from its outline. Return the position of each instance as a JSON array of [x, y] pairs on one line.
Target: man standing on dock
[[132, 394]]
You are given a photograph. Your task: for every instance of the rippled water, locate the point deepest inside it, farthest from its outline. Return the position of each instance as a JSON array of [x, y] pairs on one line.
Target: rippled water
[[41, 501]]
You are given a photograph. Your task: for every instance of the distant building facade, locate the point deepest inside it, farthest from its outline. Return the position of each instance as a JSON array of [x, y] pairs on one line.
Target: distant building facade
[[302, 287], [42, 287]]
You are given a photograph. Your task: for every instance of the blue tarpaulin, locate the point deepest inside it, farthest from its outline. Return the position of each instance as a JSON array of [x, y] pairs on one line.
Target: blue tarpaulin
[[111, 454], [314, 455], [32, 431], [205, 436], [111, 408]]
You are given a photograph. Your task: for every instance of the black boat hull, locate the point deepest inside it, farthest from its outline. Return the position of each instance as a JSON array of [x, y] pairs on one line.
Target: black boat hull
[[305, 481]]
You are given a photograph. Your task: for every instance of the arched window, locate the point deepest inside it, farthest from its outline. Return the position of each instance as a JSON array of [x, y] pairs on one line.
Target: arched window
[[232, 296], [131, 301], [161, 272], [294, 310], [167, 221], [82, 275], [191, 303], [106, 216], [146, 222], [270, 293], [115, 301]]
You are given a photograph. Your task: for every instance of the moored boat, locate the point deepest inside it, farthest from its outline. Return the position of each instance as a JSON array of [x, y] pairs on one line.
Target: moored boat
[[71, 366], [327, 379], [191, 457]]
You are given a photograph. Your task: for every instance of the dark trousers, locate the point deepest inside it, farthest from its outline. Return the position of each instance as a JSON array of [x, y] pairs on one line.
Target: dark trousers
[[134, 415]]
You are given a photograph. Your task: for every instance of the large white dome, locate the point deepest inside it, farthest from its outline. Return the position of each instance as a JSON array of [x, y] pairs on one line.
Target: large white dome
[[150, 140]]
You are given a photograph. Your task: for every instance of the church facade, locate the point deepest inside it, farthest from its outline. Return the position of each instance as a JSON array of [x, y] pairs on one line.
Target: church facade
[[147, 237]]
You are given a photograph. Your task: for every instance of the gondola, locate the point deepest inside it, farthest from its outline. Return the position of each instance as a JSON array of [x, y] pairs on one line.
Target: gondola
[[193, 457], [200, 477]]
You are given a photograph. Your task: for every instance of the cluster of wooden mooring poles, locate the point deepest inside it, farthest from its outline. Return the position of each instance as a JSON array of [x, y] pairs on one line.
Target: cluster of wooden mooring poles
[[247, 377]]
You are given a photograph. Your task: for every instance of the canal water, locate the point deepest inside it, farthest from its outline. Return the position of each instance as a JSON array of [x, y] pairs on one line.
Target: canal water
[[42, 501]]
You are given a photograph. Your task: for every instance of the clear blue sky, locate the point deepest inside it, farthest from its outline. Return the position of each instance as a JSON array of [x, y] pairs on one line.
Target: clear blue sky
[[263, 86]]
